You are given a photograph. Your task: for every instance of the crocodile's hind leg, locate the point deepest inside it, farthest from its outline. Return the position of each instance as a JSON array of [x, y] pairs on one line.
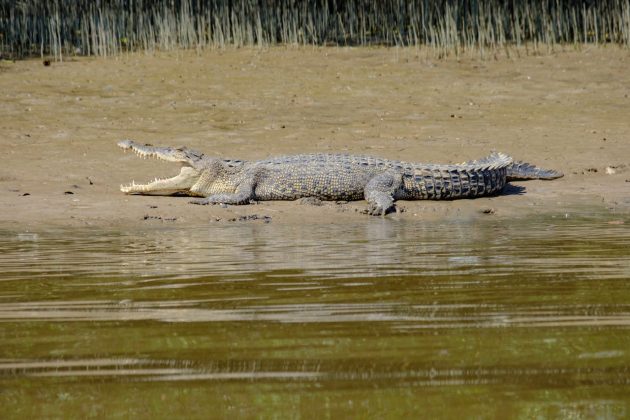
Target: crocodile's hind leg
[[379, 193]]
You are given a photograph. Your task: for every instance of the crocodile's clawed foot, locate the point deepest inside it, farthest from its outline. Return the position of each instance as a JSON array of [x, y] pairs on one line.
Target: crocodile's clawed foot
[[377, 210]]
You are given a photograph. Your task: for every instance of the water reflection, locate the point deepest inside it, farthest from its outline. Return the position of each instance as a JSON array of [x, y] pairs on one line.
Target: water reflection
[[377, 271], [376, 248], [377, 304]]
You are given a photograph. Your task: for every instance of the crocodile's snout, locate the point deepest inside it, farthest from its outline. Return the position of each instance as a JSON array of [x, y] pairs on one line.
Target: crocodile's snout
[[178, 184], [125, 144]]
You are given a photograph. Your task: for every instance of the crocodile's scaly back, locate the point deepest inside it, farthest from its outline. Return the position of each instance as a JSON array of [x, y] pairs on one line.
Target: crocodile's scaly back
[[421, 181]]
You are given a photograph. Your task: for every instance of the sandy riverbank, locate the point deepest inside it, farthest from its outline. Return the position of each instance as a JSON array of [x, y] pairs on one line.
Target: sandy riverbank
[[59, 125]]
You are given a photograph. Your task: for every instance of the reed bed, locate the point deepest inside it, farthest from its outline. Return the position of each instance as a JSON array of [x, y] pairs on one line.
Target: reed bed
[[60, 28]]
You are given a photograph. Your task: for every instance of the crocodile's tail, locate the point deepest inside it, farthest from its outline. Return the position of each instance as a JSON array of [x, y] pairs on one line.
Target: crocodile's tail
[[522, 170]]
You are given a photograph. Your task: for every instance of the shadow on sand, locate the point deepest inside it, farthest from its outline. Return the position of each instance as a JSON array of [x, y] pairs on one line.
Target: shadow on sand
[[510, 189]]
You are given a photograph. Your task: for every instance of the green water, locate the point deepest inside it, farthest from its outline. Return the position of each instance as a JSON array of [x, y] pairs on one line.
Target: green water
[[379, 318]]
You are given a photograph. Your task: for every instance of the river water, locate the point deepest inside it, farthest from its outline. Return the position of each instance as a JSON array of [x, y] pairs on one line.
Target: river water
[[379, 318]]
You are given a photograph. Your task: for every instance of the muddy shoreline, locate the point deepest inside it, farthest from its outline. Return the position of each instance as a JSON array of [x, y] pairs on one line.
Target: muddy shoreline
[[59, 126]]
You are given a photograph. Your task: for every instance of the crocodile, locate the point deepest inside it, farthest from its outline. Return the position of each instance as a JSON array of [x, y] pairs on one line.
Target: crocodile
[[328, 177]]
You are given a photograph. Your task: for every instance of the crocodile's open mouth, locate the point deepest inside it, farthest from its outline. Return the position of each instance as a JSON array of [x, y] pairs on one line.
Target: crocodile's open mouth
[[179, 184]]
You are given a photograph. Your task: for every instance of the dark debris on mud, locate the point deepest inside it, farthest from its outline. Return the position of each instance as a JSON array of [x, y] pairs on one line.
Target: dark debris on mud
[[245, 218], [164, 219]]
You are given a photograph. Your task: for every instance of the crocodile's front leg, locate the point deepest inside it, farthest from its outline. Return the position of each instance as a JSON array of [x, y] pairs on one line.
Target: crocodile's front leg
[[379, 193], [243, 194]]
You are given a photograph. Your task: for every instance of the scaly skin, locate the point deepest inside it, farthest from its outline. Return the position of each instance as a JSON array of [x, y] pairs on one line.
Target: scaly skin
[[328, 177]]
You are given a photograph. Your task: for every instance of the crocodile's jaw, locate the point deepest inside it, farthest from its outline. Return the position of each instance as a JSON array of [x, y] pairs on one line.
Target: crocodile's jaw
[[180, 184]]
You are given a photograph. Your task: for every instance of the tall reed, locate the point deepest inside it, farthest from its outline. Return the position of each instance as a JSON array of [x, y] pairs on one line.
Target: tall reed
[[449, 27]]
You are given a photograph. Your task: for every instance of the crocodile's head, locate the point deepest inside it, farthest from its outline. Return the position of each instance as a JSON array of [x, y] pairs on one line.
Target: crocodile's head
[[191, 169]]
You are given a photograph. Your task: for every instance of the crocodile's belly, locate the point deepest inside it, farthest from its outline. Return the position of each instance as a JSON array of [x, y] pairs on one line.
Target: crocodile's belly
[[321, 180]]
